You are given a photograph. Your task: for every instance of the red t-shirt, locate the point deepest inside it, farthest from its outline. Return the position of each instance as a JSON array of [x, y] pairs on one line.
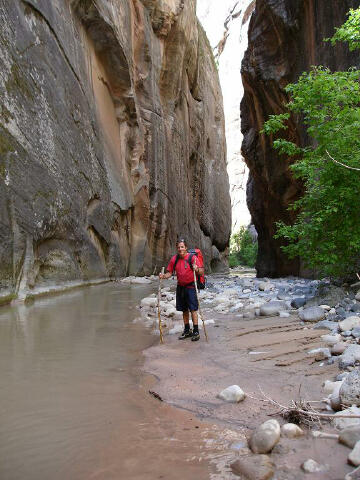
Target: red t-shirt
[[184, 273]]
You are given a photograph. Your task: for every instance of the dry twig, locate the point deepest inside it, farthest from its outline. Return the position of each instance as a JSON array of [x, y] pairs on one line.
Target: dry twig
[[342, 164], [301, 411]]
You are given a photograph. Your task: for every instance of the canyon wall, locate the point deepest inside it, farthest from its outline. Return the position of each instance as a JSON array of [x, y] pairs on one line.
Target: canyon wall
[[285, 39], [111, 141]]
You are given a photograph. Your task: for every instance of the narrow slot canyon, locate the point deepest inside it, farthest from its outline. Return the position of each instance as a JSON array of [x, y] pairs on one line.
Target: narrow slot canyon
[[179, 255]]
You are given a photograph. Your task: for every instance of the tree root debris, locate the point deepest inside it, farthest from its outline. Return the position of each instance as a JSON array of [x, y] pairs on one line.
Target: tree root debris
[[156, 395]]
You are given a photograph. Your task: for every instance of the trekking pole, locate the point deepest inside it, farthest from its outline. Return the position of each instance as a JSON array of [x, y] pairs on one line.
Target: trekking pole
[[159, 298], [197, 296]]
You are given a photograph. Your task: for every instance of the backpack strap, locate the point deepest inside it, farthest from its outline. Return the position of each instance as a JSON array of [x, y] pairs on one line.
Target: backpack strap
[[191, 256], [192, 252], [176, 260]]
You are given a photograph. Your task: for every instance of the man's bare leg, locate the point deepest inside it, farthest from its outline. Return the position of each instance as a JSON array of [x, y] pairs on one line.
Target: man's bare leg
[[186, 318], [194, 317]]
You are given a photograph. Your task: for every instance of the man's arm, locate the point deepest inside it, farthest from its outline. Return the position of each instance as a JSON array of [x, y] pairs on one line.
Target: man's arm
[[165, 275], [199, 270]]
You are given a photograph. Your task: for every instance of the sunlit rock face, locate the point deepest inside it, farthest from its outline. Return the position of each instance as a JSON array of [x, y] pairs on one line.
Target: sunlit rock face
[[285, 39], [226, 23], [111, 139]]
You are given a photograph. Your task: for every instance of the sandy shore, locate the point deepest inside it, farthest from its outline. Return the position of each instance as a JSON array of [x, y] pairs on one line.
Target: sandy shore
[[264, 352]]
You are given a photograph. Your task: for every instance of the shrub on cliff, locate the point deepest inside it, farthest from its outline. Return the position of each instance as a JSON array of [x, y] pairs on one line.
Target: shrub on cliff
[[326, 232], [243, 249]]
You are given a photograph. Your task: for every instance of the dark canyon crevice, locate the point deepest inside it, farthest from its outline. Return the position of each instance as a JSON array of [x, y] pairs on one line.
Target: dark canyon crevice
[[111, 141], [285, 39]]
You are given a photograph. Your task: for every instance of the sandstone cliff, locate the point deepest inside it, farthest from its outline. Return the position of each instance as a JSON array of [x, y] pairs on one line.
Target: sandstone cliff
[[285, 39], [111, 140]]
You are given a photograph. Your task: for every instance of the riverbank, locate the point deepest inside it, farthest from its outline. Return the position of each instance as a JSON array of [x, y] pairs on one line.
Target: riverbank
[[265, 355]]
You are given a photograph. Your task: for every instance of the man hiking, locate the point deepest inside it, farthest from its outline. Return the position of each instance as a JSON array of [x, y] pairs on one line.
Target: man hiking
[[186, 299]]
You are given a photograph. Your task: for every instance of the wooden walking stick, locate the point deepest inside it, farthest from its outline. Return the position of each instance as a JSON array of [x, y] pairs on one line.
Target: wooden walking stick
[[197, 296], [159, 299]]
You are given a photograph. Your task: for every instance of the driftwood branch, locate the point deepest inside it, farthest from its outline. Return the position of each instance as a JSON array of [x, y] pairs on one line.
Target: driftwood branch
[[349, 476], [302, 411], [342, 164]]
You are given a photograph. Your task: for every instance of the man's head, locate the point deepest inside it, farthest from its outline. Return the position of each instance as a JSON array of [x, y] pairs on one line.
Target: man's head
[[181, 247]]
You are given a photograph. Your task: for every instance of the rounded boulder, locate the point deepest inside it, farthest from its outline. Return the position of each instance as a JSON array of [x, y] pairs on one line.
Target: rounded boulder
[[265, 437]]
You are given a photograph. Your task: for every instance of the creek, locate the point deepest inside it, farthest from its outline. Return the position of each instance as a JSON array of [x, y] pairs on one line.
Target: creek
[[74, 400]]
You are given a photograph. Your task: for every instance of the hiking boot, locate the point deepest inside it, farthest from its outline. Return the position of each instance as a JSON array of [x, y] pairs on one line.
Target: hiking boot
[[195, 336], [186, 334]]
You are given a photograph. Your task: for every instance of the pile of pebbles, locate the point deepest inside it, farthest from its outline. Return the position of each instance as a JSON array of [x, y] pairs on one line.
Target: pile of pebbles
[[318, 304], [255, 460], [245, 297]]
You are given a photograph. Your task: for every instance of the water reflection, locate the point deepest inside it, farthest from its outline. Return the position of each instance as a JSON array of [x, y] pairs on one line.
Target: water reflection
[[67, 365]]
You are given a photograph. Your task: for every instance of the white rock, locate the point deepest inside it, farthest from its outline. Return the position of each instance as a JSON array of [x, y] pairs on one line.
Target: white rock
[[350, 389], [178, 328], [230, 292], [272, 308], [319, 354], [354, 455], [291, 430], [334, 397], [284, 314], [220, 308], [127, 279], [178, 316], [232, 394], [247, 290], [331, 339], [265, 437], [357, 296], [265, 286], [237, 306], [339, 348], [349, 323], [310, 466], [342, 423], [223, 300], [209, 322], [350, 356], [170, 311], [140, 280], [329, 386], [149, 302], [311, 314], [325, 307]]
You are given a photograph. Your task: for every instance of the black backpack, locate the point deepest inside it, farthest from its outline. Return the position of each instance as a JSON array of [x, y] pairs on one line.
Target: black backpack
[[200, 279]]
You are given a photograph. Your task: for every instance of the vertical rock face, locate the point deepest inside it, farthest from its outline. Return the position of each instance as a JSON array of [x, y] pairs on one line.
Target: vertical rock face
[[111, 140], [285, 39]]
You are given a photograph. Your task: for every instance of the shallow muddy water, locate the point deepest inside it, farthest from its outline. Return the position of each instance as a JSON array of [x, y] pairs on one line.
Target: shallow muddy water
[[74, 402]]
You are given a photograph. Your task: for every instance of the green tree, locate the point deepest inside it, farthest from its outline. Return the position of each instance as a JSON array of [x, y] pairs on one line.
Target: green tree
[[350, 31], [243, 249], [326, 232]]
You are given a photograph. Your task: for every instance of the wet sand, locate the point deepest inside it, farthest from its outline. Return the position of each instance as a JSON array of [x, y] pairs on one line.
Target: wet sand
[[190, 375]]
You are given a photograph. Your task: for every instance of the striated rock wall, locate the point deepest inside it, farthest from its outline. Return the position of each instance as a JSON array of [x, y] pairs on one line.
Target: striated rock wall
[[111, 141], [285, 39]]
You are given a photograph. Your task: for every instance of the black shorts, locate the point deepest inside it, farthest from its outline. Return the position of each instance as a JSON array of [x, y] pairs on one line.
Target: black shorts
[[186, 299]]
